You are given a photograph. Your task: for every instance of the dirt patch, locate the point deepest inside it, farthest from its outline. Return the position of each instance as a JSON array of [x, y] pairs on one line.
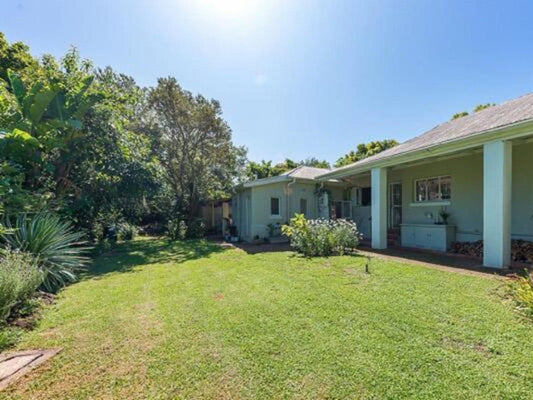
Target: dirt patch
[[219, 296], [460, 345]]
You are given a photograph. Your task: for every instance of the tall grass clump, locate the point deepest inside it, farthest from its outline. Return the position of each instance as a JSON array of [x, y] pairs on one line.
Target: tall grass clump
[[19, 279]]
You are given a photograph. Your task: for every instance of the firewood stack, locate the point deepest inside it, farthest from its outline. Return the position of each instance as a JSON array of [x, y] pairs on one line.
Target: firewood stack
[[521, 250]]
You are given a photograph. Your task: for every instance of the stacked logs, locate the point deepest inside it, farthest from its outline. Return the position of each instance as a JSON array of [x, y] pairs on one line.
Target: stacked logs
[[521, 250]]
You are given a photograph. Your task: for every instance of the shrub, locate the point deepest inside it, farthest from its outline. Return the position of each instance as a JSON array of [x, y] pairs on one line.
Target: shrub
[[19, 279], [176, 229], [53, 243], [322, 237], [521, 289], [196, 229], [127, 231]]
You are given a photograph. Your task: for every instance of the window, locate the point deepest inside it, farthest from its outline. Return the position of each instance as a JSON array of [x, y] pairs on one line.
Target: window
[[366, 196], [433, 189], [347, 194], [362, 196], [274, 207], [303, 206]]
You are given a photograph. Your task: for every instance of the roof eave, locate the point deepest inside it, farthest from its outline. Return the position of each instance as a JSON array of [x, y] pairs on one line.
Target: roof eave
[[508, 132]]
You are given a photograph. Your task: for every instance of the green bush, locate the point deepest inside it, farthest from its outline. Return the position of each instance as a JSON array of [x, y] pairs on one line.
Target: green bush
[[54, 244], [196, 229], [127, 231], [19, 279], [521, 290], [176, 229], [321, 237]]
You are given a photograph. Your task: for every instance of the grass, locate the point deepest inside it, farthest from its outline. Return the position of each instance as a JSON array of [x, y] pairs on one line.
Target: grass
[[189, 320]]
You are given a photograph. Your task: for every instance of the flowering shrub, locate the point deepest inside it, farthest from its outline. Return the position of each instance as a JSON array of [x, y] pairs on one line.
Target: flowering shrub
[[321, 237]]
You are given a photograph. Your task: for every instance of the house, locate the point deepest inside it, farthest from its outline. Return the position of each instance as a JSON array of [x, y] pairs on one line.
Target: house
[[259, 207], [478, 168]]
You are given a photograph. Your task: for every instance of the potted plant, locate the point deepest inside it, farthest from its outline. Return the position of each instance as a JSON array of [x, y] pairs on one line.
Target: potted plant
[[444, 215]]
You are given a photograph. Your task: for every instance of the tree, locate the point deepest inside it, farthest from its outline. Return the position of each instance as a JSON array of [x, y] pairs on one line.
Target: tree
[[459, 115], [193, 144], [315, 162], [365, 150], [14, 57], [262, 169], [480, 107]]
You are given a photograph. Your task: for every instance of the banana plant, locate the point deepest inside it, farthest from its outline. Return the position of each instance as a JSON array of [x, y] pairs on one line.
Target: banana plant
[[48, 117]]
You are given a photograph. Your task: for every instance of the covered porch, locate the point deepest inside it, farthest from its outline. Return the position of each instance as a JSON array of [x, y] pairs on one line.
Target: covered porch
[[480, 193]]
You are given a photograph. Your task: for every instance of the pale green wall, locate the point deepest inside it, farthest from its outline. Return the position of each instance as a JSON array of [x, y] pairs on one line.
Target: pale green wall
[[259, 218], [466, 206], [522, 192], [289, 205]]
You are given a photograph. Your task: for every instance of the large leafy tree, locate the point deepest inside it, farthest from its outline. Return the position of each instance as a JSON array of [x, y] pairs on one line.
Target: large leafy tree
[[193, 144], [365, 150]]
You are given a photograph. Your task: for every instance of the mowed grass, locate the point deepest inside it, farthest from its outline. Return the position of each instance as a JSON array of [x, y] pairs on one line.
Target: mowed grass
[[190, 320]]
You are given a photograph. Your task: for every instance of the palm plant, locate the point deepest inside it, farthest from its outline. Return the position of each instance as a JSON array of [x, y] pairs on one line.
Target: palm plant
[[57, 247]]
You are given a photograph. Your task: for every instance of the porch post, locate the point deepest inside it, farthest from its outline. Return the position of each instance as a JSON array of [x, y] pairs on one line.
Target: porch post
[[497, 176], [379, 208]]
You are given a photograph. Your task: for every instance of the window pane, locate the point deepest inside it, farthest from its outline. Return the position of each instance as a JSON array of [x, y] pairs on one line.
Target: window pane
[[274, 206], [446, 188], [366, 197], [421, 190], [303, 206], [433, 189]]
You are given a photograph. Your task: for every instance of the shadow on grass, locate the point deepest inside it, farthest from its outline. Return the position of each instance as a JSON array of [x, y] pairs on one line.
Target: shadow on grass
[[125, 256]]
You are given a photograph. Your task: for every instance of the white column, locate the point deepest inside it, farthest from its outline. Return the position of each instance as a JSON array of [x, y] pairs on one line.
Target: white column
[[497, 176], [379, 208]]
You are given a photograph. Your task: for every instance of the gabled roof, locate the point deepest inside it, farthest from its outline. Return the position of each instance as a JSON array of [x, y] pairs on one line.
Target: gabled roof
[[482, 122], [301, 173]]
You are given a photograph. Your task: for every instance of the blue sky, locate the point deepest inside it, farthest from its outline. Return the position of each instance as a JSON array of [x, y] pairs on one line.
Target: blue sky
[[302, 78]]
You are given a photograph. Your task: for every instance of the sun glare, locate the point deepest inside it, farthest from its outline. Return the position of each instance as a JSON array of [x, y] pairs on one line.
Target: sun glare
[[229, 9]]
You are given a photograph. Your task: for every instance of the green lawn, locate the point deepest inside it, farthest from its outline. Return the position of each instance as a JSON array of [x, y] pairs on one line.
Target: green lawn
[[160, 320]]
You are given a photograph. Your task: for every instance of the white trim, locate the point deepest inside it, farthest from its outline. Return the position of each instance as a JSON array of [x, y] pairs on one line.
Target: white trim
[[439, 178]]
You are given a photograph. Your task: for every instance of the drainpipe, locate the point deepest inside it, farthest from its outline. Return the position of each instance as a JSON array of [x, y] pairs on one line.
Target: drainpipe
[[317, 199], [288, 198]]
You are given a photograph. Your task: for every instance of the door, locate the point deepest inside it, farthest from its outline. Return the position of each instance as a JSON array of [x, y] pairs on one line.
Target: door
[[395, 205]]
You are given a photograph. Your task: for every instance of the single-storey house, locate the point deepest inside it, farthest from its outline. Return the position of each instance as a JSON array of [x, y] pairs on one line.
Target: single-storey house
[[259, 207], [478, 169]]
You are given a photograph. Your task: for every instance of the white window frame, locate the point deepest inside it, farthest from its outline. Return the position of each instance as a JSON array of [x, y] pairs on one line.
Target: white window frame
[[276, 216], [427, 200], [357, 196]]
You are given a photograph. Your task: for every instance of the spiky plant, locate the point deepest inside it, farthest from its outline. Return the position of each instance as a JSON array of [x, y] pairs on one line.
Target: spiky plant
[[55, 245]]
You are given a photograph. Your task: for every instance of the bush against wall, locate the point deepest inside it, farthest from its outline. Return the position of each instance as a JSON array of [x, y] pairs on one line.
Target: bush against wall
[[322, 237]]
